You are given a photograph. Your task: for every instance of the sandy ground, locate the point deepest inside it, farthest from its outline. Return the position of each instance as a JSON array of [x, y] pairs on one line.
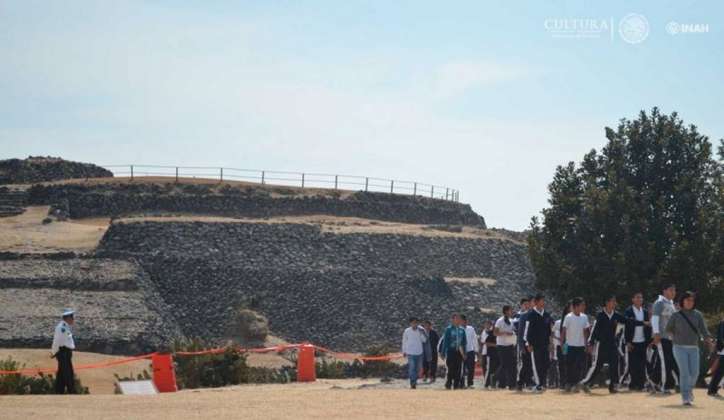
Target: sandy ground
[[355, 399], [27, 233]]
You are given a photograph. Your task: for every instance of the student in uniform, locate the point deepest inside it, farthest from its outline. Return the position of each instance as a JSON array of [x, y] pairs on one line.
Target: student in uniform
[[413, 341], [637, 335], [62, 350], [525, 370], [666, 372], [472, 348], [687, 329], [602, 344], [452, 348], [574, 336], [490, 357], [429, 367], [537, 335], [505, 340], [716, 377], [557, 354]]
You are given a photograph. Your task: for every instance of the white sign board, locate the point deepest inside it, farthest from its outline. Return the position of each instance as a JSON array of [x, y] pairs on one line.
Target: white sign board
[[137, 387]]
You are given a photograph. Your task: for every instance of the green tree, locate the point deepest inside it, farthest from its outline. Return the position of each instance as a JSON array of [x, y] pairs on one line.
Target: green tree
[[647, 209]]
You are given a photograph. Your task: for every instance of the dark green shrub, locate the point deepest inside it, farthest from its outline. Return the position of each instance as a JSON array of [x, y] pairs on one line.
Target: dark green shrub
[[17, 384], [222, 369]]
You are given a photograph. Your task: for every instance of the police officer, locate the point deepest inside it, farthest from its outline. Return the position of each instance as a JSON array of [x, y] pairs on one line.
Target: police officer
[[62, 350]]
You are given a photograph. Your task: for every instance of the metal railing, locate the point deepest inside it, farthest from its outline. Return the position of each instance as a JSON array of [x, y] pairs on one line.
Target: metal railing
[[289, 179]]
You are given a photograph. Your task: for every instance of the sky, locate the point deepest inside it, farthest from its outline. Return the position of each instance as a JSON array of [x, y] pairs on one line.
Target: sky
[[484, 96]]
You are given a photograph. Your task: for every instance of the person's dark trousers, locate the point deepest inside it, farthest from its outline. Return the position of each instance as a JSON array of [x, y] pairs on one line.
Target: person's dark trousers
[[539, 366], [561, 366], [665, 368], [716, 377], [492, 367], [429, 369], [575, 365], [637, 366], [470, 367], [454, 363], [65, 378], [525, 373], [603, 354], [506, 356]]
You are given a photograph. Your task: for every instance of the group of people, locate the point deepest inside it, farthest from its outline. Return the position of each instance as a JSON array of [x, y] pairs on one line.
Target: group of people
[[653, 348]]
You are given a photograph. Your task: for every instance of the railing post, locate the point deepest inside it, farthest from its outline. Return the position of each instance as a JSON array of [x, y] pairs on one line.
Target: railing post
[[432, 191], [131, 172], [335, 181], [414, 189], [262, 177], [367, 183], [302, 180], [177, 174], [392, 186], [447, 191], [221, 174]]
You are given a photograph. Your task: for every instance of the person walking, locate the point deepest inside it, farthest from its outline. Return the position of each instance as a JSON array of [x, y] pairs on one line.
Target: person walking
[[429, 367], [490, 358], [557, 354], [667, 373], [637, 335], [413, 340], [687, 328], [525, 370], [452, 348], [602, 344], [505, 340], [472, 347], [716, 377], [62, 350], [575, 331], [537, 336]]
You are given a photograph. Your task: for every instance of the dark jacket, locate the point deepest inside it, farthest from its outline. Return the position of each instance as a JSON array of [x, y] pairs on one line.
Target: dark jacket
[[433, 339], [519, 321], [604, 330], [537, 329], [720, 337], [632, 323]]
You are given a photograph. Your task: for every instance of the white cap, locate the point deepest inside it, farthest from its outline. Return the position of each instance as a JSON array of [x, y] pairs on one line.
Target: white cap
[[68, 312]]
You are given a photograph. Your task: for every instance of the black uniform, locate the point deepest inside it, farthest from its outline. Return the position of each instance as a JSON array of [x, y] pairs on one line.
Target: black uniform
[[636, 358], [537, 334], [491, 360], [603, 339], [717, 375], [429, 369]]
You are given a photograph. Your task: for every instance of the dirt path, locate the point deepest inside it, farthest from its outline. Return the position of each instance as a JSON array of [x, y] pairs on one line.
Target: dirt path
[[344, 399]]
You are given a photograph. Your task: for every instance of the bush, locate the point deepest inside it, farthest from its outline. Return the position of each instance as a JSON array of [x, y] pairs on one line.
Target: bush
[[18, 384], [223, 369], [250, 328]]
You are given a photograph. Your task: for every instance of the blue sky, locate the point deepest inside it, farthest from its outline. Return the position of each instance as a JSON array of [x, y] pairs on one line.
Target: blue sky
[[476, 95]]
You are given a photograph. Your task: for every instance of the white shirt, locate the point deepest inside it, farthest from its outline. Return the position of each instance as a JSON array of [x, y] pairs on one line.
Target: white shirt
[[505, 340], [412, 340], [575, 325], [639, 330], [63, 337], [471, 339], [557, 333]]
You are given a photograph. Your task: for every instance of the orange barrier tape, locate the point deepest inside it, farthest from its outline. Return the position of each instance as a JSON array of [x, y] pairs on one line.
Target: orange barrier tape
[[353, 356], [278, 349], [80, 367]]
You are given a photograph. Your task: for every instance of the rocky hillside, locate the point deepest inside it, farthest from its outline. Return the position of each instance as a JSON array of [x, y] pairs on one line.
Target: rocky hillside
[[125, 198], [119, 311], [346, 291], [40, 169]]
